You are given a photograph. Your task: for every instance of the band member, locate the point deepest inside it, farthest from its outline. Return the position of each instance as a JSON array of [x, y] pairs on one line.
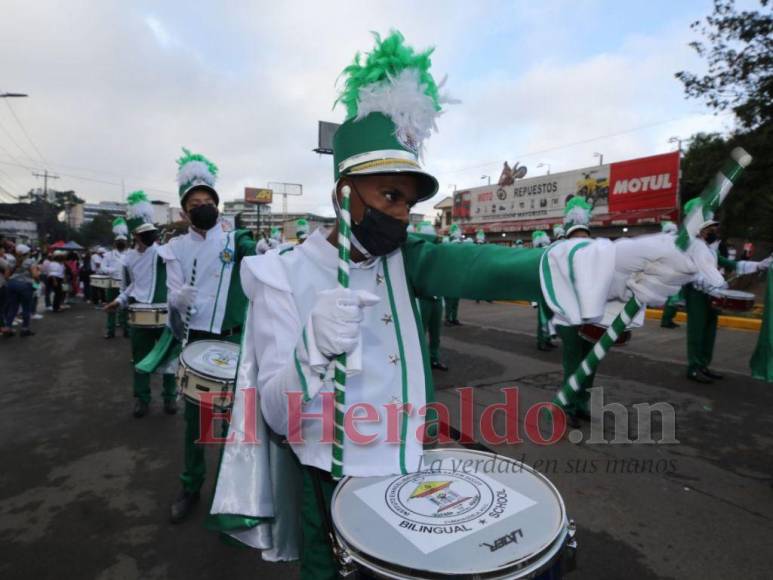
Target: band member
[[202, 280], [558, 232], [545, 330], [670, 307], [300, 319], [701, 316], [146, 285], [451, 303], [112, 265]]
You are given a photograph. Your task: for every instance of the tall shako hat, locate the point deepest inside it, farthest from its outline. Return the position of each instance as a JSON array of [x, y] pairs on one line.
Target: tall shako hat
[[577, 215], [392, 103], [139, 213], [539, 239], [120, 229], [455, 232], [194, 171], [480, 236], [708, 215]]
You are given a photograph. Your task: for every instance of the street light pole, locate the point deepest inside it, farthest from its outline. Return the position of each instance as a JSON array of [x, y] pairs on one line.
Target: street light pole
[[486, 177], [600, 156]]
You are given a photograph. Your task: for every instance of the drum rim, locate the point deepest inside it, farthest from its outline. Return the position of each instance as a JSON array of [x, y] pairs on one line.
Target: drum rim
[[203, 374], [149, 306], [735, 294], [539, 560]]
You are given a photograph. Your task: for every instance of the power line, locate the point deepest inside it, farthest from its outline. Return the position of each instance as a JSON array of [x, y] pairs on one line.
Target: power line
[[2, 127], [21, 126]]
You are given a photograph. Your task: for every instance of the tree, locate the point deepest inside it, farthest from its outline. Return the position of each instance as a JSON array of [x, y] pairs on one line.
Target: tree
[[97, 231], [739, 53]]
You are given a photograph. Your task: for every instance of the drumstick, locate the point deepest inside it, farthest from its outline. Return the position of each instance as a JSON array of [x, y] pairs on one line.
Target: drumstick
[[190, 306], [711, 198], [344, 237]]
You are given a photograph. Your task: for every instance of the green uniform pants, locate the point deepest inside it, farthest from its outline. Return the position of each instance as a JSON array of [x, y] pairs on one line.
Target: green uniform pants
[[143, 340], [452, 309], [543, 330], [575, 348], [701, 329], [669, 312], [431, 315], [122, 315], [317, 561], [195, 468]]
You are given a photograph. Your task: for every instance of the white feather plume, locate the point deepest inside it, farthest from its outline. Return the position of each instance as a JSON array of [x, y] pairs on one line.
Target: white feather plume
[[195, 170], [402, 98], [121, 229]]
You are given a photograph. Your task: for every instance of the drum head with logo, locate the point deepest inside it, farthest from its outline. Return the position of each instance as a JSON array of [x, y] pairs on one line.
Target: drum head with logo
[[217, 359], [464, 513]]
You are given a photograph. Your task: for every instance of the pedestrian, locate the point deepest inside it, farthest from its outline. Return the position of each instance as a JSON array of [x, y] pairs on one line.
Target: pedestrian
[[56, 278], [84, 274], [20, 280]]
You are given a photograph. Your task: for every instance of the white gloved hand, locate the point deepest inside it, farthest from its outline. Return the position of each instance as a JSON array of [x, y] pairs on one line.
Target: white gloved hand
[[765, 264], [186, 297], [651, 268], [336, 319], [262, 247], [699, 282]]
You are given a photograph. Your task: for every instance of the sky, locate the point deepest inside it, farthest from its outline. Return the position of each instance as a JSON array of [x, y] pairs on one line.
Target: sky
[[117, 88]]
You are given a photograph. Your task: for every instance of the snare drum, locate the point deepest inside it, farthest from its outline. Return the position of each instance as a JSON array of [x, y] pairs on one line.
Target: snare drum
[[207, 372], [732, 300], [465, 514], [100, 281], [148, 315], [593, 332]]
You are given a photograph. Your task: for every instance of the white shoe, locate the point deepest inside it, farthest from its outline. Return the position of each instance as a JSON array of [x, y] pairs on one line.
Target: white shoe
[[50, 308], [37, 317]]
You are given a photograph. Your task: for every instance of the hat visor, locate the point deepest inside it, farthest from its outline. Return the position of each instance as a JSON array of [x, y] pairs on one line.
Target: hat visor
[[708, 223], [428, 185], [202, 187], [575, 228]]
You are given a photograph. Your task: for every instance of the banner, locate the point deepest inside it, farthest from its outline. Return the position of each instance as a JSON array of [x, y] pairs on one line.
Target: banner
[[637, 184], [533, 198], [257, 195], [644, 183]]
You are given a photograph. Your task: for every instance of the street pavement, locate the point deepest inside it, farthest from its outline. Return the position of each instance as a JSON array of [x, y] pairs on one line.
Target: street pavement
[[85, 488]]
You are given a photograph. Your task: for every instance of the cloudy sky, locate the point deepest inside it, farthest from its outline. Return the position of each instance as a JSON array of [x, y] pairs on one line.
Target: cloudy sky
[[117, 87]]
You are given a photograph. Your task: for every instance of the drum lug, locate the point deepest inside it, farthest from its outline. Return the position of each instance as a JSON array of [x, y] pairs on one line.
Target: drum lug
[[569, 557], [346, 566]]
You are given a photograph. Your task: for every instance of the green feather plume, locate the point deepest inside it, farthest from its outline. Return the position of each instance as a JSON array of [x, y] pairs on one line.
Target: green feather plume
[[188, 156]]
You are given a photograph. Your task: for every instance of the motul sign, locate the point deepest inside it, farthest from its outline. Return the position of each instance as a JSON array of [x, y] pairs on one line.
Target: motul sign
[[649, 182]]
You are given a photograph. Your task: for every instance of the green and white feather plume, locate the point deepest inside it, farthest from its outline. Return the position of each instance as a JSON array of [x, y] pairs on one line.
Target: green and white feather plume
[[120, 229], [576, 213], [139, 207], [395, 80], [455, 232], [539, 239], [194, 168]]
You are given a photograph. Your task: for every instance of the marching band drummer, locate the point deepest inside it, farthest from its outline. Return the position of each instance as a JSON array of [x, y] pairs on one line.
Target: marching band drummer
[[701, 316], [112, 265], [300, 319], [147, 285], [202, 279]]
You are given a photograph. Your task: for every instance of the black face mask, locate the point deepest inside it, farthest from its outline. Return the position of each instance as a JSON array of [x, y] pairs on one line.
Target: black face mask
[[204, 217], [120, 246], [711, 238], [147, 238], [379, 233]]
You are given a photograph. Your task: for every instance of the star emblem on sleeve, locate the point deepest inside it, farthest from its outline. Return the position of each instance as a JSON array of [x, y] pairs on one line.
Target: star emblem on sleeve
[[394, 359], [386, 319], [379, 279]]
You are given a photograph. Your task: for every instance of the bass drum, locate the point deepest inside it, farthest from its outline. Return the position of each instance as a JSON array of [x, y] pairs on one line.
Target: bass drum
[[465, 514]]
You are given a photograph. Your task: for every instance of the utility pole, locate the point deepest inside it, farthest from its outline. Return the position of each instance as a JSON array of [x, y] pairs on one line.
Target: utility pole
[[46, 176]]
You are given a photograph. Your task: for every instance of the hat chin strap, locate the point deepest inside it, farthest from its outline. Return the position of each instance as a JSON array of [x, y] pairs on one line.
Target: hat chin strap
[[353, 239]]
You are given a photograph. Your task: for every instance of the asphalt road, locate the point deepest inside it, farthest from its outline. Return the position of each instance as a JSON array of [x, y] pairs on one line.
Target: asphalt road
[[85, 488]]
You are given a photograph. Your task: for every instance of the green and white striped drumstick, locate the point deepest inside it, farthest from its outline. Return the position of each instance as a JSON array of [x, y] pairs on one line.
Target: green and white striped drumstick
[[711, 198], [344, 241]]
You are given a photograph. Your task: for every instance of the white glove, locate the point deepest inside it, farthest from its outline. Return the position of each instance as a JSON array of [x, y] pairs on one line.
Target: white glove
[[186, 297], [702, 284], [765, 264], [336, 319], [262, 247], [651, 268]]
